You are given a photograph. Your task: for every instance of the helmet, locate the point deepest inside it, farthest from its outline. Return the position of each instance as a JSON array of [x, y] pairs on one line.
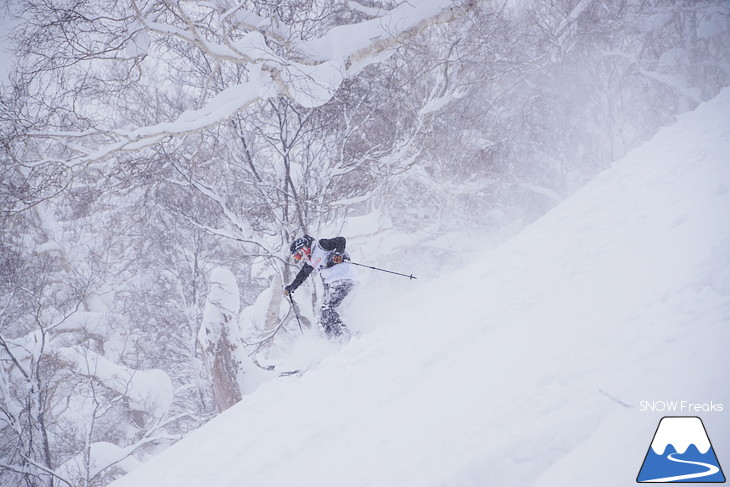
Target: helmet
[[300, 243]]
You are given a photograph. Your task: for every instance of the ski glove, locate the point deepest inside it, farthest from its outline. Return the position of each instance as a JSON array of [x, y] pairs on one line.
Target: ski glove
[[337, 258], [288, 290]]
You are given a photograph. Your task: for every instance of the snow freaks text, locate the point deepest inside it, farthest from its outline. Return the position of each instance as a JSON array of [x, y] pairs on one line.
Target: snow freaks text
[[680, 407]]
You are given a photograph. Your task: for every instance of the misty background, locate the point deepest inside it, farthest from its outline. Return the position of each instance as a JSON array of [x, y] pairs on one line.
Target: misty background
[[157, 157]]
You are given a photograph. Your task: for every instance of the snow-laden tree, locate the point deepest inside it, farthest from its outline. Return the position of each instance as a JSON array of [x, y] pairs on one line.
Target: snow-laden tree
[[219, 338], [84, 63], [145, 146], [547, 95], [74, 405], [135, 135]]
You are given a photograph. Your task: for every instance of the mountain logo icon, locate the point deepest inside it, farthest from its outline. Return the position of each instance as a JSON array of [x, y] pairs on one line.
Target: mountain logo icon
[[680, 452]]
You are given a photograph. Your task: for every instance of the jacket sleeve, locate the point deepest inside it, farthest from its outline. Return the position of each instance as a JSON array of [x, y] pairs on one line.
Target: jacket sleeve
[[301, 276], [336, 244]]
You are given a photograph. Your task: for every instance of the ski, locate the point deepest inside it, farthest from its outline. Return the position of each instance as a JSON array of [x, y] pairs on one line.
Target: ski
[[292, 372], [272, 368]]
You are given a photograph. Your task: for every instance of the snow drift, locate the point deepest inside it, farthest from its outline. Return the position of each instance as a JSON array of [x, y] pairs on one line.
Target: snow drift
[[527, 367]]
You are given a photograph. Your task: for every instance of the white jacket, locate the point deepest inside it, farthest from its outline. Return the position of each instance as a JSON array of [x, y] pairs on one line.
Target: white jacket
[[318, 260]]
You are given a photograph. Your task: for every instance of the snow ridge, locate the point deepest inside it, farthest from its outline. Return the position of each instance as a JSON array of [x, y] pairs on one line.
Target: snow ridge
[[680, 433]]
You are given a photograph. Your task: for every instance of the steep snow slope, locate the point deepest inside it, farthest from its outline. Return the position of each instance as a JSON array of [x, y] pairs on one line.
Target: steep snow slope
[[528, 367]]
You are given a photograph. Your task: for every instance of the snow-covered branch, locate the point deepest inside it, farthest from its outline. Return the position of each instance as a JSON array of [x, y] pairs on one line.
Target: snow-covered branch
[[307, 71]]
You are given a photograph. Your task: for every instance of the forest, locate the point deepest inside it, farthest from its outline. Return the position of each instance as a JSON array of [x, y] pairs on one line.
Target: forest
[[157, 157]]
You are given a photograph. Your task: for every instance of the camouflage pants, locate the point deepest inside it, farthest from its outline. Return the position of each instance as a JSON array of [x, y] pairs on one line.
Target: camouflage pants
[[334, 294]]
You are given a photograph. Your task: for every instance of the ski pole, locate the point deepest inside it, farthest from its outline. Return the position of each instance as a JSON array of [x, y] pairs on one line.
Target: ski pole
[[384, 270], [291, 300]]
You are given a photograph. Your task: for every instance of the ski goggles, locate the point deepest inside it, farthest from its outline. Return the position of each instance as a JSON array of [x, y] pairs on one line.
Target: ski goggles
[[299, 254]]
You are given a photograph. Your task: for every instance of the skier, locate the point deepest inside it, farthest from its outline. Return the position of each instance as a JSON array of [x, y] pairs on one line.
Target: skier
[[328, 257]]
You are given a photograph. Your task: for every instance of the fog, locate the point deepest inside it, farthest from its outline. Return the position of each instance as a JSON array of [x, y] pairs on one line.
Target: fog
[[147, 145]]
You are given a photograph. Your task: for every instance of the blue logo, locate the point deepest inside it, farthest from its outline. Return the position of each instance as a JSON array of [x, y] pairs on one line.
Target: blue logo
[[681, 452]]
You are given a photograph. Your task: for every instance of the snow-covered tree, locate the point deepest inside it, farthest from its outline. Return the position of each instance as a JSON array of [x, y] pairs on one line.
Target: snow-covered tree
[[157, 157], [219, 339]]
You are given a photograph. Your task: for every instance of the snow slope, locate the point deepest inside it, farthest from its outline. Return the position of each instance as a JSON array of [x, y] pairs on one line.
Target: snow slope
[[531, 366]]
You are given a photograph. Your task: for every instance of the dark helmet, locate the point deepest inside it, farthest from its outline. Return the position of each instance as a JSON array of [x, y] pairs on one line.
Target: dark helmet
[[300, 243]]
